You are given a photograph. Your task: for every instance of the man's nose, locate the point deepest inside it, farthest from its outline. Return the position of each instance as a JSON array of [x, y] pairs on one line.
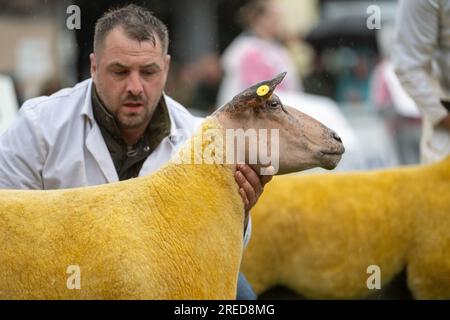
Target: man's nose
[[134, 84]]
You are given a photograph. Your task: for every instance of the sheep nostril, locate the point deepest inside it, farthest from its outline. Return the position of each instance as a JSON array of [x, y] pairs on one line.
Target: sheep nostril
[[336, 137]]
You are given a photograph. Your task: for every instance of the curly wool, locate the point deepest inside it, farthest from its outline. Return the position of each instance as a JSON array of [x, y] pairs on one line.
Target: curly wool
[[317, 234], [170, 235]]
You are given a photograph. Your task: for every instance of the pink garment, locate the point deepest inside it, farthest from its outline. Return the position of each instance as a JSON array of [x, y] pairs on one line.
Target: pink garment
[[249, 60], [255, 68]]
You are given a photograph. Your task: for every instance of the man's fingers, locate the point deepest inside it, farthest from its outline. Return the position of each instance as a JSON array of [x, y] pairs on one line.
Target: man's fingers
[[251, 183], [244, 198], [247, 187], [251, 177]]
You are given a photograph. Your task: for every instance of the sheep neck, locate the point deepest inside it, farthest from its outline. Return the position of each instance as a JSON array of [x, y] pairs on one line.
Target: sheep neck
[[202, 215], [206, 149]]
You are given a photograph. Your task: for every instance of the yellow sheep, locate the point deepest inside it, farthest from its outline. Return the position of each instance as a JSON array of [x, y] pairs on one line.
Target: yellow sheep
[[176, 234], [318, 234], [112, 231]]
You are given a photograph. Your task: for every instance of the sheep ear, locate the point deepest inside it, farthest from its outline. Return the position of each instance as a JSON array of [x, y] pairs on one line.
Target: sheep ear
[[265, 89], [253, 96]]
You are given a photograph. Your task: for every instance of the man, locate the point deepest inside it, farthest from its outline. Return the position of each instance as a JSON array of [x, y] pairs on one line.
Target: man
[[422, 61], [117, 126]]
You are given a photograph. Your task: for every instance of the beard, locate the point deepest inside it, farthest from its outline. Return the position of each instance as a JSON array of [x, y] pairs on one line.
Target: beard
[[128, 118], [132, 120]]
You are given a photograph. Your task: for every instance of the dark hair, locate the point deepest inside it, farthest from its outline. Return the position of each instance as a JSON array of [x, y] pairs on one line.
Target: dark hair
[[138, 24], [250, 11]]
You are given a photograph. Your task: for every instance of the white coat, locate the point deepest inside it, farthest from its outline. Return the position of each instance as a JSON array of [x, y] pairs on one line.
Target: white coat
[[422, 62], [55, 143]]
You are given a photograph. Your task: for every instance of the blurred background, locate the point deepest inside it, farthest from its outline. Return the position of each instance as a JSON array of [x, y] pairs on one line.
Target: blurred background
[[336, 54]]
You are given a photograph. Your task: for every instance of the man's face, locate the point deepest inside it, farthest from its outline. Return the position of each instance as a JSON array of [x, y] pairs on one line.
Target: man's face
[[129, 77]]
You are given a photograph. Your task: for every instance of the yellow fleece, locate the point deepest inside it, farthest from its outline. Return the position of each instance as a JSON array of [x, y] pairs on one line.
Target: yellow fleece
[[176, 234], [318, 234]]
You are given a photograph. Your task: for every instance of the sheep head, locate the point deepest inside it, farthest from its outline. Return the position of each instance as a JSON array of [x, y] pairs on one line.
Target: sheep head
[[301, 142]]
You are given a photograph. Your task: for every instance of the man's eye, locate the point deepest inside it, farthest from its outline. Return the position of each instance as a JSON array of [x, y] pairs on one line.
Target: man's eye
[[147, 73], [120, 73]]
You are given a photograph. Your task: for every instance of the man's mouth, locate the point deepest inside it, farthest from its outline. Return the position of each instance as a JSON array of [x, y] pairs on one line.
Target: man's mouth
[[133, 105]]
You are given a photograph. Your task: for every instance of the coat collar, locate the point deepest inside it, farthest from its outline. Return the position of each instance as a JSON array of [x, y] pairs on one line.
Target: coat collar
[[87, 111], [97, 147]]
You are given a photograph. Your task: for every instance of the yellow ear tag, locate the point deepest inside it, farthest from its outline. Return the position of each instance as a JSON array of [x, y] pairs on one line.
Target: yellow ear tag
[[262, 90]]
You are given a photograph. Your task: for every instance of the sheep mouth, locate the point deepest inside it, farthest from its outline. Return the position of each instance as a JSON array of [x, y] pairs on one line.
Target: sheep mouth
[[331, 158], [338, 152], [331, 163]]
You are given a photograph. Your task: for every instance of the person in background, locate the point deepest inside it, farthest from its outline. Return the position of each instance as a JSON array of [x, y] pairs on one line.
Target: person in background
[[422, 63], [353, 82], [257, 53]]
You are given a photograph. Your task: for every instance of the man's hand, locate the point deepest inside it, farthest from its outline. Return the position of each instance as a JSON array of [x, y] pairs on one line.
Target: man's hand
[[251, 186], [445, 122]]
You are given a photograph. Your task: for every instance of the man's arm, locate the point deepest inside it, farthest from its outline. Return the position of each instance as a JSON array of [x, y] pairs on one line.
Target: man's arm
[[251, 186], [22, 153], [416, 37]]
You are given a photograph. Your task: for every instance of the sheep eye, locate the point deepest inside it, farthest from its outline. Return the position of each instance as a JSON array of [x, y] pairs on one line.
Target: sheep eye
[[274, 104]]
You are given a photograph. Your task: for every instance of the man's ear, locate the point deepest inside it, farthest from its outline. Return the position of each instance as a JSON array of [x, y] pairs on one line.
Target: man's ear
[[93, 65], [167, 60]]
